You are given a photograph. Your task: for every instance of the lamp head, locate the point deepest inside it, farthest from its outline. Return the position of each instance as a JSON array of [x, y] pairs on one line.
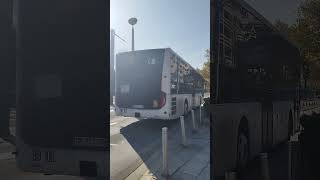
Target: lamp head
[[132, 21]]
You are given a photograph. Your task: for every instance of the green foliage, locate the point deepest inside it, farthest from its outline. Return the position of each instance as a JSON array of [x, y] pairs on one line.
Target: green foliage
[[305, 32], [205, 70]]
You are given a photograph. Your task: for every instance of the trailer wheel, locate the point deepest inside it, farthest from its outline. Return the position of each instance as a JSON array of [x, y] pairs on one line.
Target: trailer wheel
[[242, 149]]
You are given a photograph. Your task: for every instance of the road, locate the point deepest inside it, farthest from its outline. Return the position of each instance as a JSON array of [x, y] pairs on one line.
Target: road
[[133, 141]]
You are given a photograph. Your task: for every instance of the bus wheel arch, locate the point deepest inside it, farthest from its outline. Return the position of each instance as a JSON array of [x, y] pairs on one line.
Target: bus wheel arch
[[243, 144]]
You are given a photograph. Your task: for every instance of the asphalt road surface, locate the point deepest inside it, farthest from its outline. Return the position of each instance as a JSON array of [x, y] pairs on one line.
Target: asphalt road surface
[[133, 141]]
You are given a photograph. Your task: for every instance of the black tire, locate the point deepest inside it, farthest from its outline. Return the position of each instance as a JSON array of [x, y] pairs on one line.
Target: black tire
[[185, 108], [242, 149]]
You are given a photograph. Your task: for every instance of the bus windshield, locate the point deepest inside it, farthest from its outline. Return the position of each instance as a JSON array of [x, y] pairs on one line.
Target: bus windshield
[[138, 79]]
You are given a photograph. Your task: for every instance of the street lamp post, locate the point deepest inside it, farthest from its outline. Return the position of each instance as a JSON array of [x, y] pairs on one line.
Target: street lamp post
[[132, 22], [112, 72]]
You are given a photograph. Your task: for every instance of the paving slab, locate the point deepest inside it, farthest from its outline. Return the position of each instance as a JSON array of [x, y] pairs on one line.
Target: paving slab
[[191, 162]]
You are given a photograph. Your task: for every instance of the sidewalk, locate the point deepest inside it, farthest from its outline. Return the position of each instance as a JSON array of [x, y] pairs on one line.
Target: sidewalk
[[191, 162], [278, 160]]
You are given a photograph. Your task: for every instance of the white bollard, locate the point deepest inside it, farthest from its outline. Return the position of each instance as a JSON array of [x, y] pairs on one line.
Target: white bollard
[[200, 120], [294, 160], [165, 169], [193, 121], [183, 131], [230, 175], [289, 160], [264, 166]]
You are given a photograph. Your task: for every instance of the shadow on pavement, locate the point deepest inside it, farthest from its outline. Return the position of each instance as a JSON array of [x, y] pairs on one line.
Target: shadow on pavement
[[145, 137]]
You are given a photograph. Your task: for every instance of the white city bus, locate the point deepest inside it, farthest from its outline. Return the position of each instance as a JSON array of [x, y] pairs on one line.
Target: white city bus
[[157, 84]]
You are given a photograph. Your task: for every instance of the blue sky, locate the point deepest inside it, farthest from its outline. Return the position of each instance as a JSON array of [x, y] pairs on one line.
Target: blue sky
[[183, 25]]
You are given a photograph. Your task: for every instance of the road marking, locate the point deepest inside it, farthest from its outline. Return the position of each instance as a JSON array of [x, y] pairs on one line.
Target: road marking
[[113, 144], [113, 123]]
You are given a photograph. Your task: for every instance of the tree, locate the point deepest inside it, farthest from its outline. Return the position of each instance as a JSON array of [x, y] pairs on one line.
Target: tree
[[308, 36], [305, 32], [282, 27], [205, 70]]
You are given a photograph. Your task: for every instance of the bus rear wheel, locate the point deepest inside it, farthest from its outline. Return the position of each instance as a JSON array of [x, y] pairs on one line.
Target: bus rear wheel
[[242, 151]]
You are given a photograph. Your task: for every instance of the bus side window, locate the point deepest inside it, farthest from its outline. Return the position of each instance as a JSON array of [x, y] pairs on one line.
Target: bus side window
[[185, 78], [173, 75]]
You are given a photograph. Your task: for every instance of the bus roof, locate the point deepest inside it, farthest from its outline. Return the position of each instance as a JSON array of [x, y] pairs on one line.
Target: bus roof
[[128, 52]]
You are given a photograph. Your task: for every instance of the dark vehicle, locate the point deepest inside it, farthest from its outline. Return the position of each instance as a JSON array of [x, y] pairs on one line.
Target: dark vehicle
[[61, 87]]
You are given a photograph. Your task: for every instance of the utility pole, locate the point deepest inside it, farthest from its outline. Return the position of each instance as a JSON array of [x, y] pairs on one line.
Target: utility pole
[[113, 35], [112, 71]]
